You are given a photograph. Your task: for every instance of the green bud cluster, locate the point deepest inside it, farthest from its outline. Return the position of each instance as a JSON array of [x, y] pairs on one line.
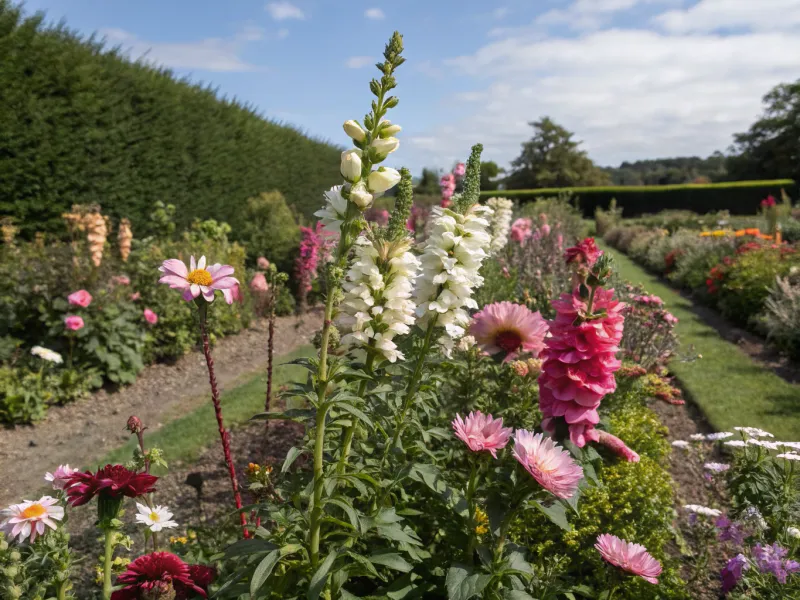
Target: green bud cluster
[[472, 181]]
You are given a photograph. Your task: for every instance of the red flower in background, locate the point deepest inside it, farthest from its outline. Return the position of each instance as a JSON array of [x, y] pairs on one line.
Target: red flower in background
[[586, 253], [768, 202], [113, 480], [165, 573]]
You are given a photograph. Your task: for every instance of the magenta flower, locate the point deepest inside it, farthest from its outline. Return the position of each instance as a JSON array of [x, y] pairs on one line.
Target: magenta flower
[[197, 279], [509, 328], [586, 252], [460, 170], [549, 464], [521, 230], [482, 432], [80, 298], [150, 316], [579, 364], [633, 558], [73, 322]]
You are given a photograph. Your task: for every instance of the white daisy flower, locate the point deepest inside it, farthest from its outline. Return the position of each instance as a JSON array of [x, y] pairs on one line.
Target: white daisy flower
[[736, 443], [763, 444], [333, 213], [792, 445], [703, 510], [714, 437], [697, 437], [500, 223], [680, 444], [28, 519], [754, 432], [46, 354], [156, 518], [716, 467], [789, 456]]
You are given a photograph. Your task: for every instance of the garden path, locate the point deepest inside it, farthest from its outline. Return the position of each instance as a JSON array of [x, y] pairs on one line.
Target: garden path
[[85, 431]]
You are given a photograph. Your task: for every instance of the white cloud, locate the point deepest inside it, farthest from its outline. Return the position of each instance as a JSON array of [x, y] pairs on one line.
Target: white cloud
[[585, 15], [210, 54], [628, 94], [280, 11], [376, 14], [716, 15], [358, 62]]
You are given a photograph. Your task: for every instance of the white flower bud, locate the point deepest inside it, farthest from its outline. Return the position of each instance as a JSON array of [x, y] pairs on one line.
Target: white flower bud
[[385, 147], [383, 179], [351, 165], [354, 130], [360, 196], [387, 129]]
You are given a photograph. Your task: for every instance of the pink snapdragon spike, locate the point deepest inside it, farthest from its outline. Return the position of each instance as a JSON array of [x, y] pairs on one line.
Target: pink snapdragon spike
[[73, 322], [198, 280], [509, 328], [579, 363], [482, 433], [80, 298], [521, 230], [150, 316], [585, 253], [60, 477], [28, 519], [617, 446], [633, 558], [549, 464]]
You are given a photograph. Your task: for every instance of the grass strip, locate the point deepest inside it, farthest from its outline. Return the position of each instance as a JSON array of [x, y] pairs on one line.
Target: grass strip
[[726, 383]]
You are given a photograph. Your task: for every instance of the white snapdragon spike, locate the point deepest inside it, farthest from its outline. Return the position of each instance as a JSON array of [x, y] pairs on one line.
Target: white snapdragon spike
[[451, 261], [501, 222], [377, 303], [333, 213]]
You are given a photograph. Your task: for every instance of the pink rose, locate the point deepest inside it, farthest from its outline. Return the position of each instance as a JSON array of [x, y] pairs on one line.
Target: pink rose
[[150, 316], [74, 322], [135, 296], [80, 298], [120, 280]]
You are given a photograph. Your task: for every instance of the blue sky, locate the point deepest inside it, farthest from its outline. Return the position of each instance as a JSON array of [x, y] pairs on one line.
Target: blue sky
[[632, 78]]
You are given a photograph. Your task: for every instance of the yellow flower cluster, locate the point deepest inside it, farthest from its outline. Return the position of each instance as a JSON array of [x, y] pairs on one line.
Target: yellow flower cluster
[[178, 539], [716, 233], [481, 522]]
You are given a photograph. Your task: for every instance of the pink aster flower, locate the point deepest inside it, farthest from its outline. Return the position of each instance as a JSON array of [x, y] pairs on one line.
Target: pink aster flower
[[80, 298], [586, 252], [482, 432], [259, 283], [521, 230], [197, 279], [579, 363], [73, 322], [28, 519], [633, 558], [549, 464], [60, 476], [150, 316], [509, 328]]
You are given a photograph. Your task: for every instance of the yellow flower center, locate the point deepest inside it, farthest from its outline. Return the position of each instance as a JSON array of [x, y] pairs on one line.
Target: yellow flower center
[[154, 516], [34, 511], [200, 277]]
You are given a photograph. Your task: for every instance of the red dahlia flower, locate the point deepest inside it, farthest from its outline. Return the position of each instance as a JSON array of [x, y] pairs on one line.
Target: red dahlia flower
[[586, 253], [161, 573], [114, 481]]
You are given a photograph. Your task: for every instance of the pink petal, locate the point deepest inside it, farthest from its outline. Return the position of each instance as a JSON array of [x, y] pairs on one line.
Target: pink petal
[[224, 283], [175, 281], [175, 266]]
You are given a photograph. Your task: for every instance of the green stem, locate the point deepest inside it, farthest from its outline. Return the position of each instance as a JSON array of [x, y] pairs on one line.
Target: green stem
[[612, 592], [107, 560], [316, 511], [473, 476], [62, 590], [347, 441]]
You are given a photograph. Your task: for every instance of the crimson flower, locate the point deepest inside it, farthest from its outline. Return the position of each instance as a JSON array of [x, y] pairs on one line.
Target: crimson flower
[[112, 480], [586, 253], [768, 202], [164, 573]]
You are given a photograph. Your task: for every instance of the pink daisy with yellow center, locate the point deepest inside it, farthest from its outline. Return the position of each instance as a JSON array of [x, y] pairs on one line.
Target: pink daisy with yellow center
[[505, 327], [29, 518], [198, 279]]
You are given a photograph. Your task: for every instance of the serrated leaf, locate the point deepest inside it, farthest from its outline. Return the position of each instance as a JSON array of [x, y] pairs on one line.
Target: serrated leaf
[[462, 584]]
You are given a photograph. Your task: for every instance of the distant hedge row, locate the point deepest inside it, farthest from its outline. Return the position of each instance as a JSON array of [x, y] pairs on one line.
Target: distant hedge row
[[739, 197], [80, 123]]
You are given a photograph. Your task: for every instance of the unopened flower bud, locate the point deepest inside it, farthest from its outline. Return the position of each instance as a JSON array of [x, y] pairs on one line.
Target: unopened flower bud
[[354, 130], [351, 165], [388, 130], [360, 196], [383, 179], [520, 367], [384, 147], [134, 424], [534, 366]]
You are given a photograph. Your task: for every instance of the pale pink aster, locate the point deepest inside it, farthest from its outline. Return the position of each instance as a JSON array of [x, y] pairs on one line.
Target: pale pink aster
[[60, 476], [509, 328], [482, 433], [630, 557], [150, 316], [28, 519], [73, 322], [197, 279], [259, 283], [549, 464], [80, 298], [521, 230]]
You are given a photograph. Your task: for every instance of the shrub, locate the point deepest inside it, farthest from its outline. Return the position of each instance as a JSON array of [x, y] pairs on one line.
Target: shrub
[[780, 319], [562, 213], [270, 230], [23, 396], [695, 257]]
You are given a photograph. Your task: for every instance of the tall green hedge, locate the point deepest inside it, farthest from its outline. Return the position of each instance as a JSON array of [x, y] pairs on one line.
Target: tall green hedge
[[80, 123], [739, 197]]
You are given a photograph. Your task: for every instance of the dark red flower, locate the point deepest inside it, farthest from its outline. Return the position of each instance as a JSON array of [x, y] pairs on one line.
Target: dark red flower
[[112, 480], [152, 573], [586, 253], [768, 202]]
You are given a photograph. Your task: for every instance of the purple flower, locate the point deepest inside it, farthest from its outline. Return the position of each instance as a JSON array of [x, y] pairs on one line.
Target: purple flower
[[769, 559], [732, 572], [730, 531]]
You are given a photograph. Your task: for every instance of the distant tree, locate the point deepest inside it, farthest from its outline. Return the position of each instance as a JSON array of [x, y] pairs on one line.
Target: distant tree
[[770, 149], [489, 174], [551, 158], [428, 184], [662, 171]]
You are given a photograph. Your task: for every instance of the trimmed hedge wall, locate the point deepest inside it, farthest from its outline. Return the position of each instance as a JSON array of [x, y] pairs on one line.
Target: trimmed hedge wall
[[80, 123], [739, 197]]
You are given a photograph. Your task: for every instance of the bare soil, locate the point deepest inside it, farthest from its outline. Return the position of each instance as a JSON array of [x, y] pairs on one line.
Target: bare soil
[[84, 431]]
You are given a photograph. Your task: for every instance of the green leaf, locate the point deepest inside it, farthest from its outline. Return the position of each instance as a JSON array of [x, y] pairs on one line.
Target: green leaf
[[264, 570], [392, 560], [291, 456], [351, 513], [556, 513], [462, 584], [293, 414], [517, 595], [365, 562], [320, 577], [355, 412], [248, 547]]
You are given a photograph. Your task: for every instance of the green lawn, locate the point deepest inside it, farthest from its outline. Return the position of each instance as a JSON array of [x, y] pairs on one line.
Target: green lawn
[[728, 386], [184, 438]]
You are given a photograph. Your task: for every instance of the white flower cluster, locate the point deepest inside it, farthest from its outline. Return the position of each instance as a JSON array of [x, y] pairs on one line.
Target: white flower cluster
[[451, 261], [680, 444], [793, 532], [703, 510], [697, 437], [332, 214], [789, 456], [714, 437], [501, 222], [754, 432], [46, 354], [716, 467], [763, 444], [377, 301]]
